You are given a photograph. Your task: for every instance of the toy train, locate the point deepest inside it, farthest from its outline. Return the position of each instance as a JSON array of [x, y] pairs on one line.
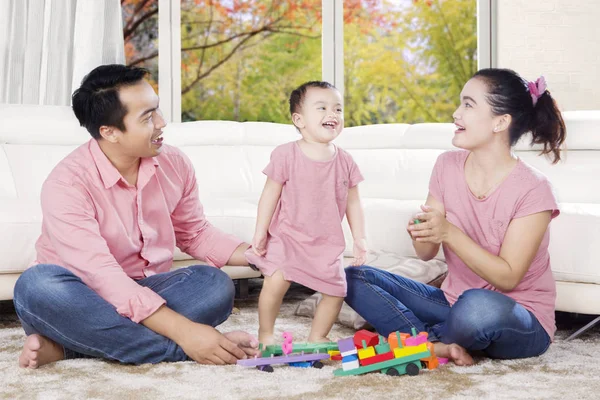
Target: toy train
[[401, 354]]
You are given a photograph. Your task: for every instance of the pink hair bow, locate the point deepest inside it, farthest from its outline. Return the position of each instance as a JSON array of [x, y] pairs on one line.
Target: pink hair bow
[[537, 89]]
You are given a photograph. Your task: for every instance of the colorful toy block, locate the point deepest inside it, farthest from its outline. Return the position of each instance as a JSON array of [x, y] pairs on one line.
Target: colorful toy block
[[370, 338], [352, 357], [366, 353], [383, 346], [416, 340], [347, 366], [345, 345], [410, 350], [376, 359], [396, 339]]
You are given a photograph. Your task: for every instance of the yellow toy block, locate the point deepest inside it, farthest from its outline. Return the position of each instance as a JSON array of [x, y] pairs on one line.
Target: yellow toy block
[[333, 353], [366, 353], [410, 350]]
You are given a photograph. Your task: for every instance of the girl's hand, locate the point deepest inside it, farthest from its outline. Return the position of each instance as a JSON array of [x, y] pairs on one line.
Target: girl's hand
[[432, 227], [259, 244], [359, 252]]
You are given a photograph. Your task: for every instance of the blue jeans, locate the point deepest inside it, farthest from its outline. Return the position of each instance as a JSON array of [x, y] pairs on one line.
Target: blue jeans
[[53, 302], [480, 320]]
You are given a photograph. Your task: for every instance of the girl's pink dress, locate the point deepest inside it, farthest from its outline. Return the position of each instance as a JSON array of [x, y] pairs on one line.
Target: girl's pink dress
[[305, 240]]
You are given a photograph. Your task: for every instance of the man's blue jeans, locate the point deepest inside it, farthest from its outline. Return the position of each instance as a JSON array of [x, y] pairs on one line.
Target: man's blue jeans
[[479, 320], [53, 302]]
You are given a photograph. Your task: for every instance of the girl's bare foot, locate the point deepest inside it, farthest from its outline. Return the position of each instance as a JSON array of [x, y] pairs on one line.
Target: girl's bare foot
[[318, 340], [39, 350], [453, 352], [265, 339]]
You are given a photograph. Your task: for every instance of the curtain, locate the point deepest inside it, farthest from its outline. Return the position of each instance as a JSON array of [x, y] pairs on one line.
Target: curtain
[[47, 47]]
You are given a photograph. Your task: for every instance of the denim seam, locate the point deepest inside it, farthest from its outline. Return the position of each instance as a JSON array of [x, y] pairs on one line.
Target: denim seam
[[393, 306], [63, 336], [414, 292]]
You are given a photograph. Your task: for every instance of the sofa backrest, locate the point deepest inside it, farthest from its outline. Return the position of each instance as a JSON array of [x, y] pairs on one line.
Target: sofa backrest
[[396, 159]]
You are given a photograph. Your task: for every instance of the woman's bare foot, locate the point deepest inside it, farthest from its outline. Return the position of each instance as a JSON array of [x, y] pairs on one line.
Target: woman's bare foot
[[453, 352], [39, 350]]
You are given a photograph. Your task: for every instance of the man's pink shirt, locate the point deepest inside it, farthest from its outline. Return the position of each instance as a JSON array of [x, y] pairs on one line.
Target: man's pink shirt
[[524, 192], [110, 233]]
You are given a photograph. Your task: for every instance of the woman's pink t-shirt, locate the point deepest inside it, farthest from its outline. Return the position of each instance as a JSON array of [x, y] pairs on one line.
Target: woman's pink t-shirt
[[306, 240], [524, 192]]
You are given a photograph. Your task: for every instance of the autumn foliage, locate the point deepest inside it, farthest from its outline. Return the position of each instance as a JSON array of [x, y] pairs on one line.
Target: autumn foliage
[[404, 60]]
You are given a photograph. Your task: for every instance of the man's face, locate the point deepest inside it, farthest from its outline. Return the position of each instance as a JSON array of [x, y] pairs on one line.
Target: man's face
[[143, 121]]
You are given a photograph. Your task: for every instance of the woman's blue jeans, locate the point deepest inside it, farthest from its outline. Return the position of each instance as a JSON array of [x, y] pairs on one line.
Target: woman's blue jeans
[[53, 302], [480, 320]]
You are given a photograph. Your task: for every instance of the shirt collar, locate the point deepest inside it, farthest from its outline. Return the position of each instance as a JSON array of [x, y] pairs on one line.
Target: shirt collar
[[108, 173]]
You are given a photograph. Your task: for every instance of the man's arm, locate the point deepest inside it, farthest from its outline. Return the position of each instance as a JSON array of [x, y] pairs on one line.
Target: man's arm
[[194, 234]]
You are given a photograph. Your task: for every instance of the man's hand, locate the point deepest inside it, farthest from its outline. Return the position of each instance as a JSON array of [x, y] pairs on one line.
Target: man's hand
[[205, 345], [245, 341]]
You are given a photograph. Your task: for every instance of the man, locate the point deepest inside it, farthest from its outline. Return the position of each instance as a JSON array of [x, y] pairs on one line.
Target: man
[[113, 211]]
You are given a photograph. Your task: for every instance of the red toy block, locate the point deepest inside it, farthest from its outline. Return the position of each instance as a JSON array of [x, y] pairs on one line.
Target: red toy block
[[371, 338], [377, 359], [337, 357]]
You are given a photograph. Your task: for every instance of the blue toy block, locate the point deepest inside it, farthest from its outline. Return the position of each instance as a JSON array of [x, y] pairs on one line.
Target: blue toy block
[[350, 358]]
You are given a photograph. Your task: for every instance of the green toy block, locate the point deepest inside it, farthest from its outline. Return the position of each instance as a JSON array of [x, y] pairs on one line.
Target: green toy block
[[399, 364], [417, 221], [276, 350], [383, 348]]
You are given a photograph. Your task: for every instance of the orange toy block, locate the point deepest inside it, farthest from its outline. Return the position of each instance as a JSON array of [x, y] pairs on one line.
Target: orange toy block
[[377, 359], [431, 362], [393, 340], [371, 338]]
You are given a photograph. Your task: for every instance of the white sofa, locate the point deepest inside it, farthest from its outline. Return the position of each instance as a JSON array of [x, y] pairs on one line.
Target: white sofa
[[396, 161]]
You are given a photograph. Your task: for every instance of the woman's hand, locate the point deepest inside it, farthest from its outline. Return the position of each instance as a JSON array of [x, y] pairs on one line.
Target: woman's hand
[[432, 226]]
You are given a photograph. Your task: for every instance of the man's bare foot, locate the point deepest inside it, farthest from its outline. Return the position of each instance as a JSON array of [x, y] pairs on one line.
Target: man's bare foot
[[453, 352], [318, 340], [39, 350]]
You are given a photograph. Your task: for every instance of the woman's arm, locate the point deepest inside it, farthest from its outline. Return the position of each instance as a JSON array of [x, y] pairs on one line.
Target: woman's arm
[[266, 208], [356, 220], [426, 250], [505, 271]]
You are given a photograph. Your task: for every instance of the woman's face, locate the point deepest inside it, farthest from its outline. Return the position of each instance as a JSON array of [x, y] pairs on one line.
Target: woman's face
[[474, 120]]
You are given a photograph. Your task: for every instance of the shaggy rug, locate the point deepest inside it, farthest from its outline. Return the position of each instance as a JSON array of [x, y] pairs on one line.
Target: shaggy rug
[[567, 371]]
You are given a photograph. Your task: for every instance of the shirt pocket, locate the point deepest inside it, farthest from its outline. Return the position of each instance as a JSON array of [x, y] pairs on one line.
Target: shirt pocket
[[341, 190], [496, 231]]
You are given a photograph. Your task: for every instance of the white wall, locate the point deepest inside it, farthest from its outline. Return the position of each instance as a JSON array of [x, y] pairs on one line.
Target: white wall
[[559, 39]]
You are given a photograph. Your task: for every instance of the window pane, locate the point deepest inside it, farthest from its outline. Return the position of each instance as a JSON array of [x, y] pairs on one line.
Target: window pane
[[140, 31], [405, 61], [242, 58]]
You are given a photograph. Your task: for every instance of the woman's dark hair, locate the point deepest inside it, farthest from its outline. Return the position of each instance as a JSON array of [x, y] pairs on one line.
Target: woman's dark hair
[[96, 102], [508, 93], [298, 94]]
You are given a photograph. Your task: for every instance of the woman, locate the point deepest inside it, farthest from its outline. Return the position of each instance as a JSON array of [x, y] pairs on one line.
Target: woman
[[491, 212]]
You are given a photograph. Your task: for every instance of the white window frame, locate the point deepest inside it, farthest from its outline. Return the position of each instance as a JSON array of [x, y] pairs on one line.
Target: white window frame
[[332, 48]]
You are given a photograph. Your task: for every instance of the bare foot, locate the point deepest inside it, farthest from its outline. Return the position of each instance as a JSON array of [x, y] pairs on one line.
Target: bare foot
[[265, 339], [39, 350], [453, 352], [318, 340]]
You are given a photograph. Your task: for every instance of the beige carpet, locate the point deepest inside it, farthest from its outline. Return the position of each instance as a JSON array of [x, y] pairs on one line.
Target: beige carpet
[[567, 371]]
